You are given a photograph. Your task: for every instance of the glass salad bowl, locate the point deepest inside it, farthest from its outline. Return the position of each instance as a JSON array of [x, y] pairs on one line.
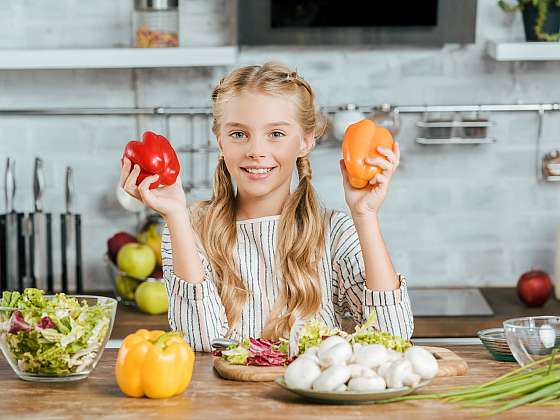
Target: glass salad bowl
[[532, 338], [54, 338]]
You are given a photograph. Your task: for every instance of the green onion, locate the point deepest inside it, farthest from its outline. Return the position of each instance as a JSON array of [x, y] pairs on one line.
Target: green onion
[[532, 384]]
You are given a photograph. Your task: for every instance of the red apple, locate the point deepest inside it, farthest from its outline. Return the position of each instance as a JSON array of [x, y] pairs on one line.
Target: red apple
[[116, 242], [157, 274], [534, 287]]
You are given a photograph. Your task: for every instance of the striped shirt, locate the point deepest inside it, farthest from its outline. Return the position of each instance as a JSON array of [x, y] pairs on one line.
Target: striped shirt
[[196, 309]]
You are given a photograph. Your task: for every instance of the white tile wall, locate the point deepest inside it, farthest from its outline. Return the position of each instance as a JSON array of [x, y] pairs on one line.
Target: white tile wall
[[455, 215]]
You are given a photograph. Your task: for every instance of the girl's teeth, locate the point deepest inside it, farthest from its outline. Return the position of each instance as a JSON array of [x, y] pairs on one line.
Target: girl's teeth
[[258, 171]]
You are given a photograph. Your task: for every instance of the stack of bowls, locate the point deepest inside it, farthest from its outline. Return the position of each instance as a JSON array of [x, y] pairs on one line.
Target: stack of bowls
[[495, 342]]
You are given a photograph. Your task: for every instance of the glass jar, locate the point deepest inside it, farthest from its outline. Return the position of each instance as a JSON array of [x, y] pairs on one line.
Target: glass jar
[[156, 24]]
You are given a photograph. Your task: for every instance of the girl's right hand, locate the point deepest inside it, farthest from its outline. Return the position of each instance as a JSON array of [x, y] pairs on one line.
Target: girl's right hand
[[166, 200]]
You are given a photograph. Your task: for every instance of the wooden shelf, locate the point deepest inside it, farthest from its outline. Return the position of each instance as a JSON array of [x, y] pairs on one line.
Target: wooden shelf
[[523, 51], [110, 58]]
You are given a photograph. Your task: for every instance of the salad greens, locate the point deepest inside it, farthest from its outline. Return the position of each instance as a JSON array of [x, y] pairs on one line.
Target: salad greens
[[257, 352], [315, 331], [312, 333], [53, 336], [367, 334]]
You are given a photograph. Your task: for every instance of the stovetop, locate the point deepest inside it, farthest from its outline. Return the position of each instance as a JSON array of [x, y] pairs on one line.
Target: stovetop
[[449, 302]]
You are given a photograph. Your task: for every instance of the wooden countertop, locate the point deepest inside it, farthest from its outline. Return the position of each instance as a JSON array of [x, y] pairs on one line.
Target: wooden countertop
[[210, 397], [504, 302]]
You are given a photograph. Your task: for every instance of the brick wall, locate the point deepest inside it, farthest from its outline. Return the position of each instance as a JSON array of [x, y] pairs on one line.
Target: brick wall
[[456, 215]]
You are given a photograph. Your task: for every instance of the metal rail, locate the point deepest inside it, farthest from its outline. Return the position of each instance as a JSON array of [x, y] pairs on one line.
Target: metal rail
[[329, 109]]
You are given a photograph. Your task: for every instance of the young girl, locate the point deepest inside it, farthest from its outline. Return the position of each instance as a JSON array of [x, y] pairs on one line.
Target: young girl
[[256, 257]]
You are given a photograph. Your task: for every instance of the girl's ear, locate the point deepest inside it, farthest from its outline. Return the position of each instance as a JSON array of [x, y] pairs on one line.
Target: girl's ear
[[307, 144]]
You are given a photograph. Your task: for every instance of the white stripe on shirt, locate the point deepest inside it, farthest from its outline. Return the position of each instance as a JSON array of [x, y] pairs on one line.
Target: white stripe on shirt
[[197, 310]]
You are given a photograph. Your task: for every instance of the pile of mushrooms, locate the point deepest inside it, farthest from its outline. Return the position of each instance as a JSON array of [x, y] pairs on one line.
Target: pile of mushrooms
[[337, 365]]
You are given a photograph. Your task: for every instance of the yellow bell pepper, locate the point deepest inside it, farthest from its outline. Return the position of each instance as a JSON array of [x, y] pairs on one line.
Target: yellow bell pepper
[[154, 363]]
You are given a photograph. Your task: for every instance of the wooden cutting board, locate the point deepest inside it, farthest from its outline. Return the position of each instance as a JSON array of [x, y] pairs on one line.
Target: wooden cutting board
[[449, 365]]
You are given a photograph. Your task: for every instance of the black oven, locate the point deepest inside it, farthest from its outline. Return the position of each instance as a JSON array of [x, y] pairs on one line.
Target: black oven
[[356, 22]]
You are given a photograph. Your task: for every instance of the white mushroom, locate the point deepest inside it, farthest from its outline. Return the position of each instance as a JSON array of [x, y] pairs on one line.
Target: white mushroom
[[356, 346], [371, 355], [332, 378], [393, 355], [310, 353], [412, 380], [423, 362], [356, 370], [301, 373], [337, 354], [382, 370], [400, 374], [368, 373], [329, 342], [341, 388], [547, 336], [363, 384]]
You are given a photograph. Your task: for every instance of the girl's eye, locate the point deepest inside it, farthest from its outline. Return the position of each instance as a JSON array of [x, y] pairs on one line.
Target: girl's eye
[[277, 134], [238, 135]]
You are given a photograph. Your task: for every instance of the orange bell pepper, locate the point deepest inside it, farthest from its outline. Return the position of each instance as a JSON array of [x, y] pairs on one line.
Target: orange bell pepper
[[361, 141], [154, 363]]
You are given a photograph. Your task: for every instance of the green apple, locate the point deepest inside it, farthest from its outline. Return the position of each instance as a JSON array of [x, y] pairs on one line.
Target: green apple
[[125, 287], [136, 260], [151, 297]]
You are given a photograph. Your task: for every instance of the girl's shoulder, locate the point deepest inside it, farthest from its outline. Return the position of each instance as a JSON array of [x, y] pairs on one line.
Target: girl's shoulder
[[337, 221]]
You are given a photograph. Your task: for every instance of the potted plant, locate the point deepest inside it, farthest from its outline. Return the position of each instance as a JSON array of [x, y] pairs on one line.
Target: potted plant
[[541, 18]]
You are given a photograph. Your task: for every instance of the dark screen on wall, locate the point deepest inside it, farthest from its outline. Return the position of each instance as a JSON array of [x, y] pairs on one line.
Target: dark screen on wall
[[352, 13]]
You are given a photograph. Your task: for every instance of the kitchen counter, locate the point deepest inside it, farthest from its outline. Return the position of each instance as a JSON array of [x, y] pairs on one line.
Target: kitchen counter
[[210, 397], [504, 302]]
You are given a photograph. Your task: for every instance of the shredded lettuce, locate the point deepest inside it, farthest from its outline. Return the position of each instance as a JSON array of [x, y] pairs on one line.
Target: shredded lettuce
[[236, 355], [368, 334], [313, 332], [74, 332]]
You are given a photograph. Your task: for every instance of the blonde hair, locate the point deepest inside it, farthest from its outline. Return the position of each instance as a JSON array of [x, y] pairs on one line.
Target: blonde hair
[[301, 230]]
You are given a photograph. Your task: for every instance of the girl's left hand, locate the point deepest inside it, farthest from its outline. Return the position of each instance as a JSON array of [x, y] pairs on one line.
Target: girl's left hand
[[367, 201]]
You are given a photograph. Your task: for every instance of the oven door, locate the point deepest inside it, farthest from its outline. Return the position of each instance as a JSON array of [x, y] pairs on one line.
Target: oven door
[[355, 22]]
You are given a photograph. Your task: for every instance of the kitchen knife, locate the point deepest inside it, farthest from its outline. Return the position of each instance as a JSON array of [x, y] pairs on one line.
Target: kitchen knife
[[3, 256], [23, 235], [40, 233], [71, 240], [67, 228], [222, 343], [9, 227]]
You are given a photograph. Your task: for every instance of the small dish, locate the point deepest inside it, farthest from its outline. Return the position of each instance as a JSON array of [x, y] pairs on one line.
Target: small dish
[[495, 342], [347, 397]]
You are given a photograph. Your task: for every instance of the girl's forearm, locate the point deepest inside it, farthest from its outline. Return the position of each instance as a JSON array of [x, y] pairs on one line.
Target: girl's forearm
[[186, 262], [380, 274]]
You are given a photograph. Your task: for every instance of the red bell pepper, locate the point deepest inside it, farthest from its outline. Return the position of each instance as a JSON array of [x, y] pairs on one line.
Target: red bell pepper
[[155, 156]]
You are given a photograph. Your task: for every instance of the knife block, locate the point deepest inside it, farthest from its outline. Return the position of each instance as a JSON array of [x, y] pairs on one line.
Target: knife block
[[61, 271]]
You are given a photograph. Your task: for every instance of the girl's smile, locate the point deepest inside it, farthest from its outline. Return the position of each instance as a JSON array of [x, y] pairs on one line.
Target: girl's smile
[[258, 172]]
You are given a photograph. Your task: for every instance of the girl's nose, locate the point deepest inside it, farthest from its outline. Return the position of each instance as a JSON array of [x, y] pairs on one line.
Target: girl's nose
[[256, 149]]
